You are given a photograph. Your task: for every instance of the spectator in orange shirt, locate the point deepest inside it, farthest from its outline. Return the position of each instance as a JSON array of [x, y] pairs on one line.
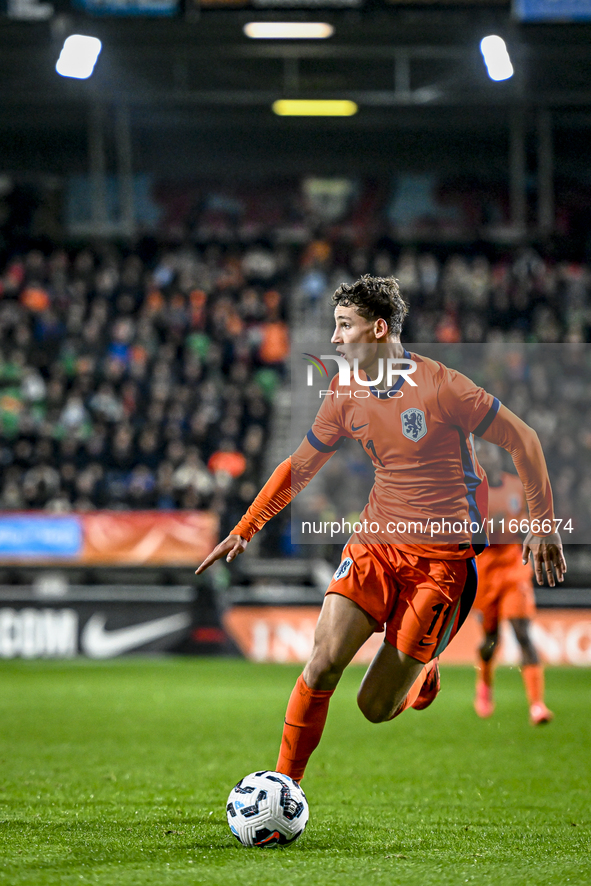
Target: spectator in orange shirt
[[228, 460], [274, 346]]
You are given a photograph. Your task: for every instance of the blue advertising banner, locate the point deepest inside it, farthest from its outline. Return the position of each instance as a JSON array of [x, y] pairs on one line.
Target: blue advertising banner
[[128, 7], [40, 536], [109, 537], [552, 10]]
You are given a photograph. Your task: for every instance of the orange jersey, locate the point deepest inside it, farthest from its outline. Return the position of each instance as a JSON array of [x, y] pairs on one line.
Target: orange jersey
[[419, 439]]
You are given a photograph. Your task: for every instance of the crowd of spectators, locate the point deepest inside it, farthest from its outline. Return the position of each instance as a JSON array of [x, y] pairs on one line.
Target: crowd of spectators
[[145, 378], [466, 297], [127, 383]]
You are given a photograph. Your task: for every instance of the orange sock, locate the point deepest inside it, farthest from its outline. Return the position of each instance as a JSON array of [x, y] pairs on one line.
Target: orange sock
[[533, 678], [304, 723], [412, 694], [485, 672]]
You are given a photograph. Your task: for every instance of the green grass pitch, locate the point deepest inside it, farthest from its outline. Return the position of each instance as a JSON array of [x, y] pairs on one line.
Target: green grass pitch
[[118, 772]]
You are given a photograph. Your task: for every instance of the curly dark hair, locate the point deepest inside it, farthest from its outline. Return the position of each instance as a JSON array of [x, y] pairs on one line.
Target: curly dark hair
[[374, 297]]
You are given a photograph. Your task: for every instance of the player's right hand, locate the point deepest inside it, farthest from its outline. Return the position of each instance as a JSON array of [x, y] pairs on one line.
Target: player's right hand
[[547, 556], [229, 548]]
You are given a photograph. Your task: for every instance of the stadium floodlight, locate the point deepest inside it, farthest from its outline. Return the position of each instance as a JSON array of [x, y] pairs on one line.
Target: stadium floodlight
[[314, 108], [496, 57], [78, 56], [288, 30]]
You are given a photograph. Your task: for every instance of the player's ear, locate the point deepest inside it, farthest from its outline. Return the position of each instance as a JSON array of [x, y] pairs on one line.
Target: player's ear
[[381, 328]]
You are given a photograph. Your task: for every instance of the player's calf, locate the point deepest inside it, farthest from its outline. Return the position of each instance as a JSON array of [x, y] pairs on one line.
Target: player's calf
[[522, 630], [430, 688], [392, 683]]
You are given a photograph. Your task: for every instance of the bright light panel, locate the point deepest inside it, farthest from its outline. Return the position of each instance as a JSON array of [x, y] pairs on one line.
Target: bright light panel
[[496, 58], [78, 56], [288, 30], [314, 108]]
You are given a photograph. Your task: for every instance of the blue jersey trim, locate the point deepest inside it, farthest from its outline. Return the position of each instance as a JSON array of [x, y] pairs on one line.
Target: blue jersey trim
[[463, 605], [487, 420], [469, 592], [319, 445], [472, 481]]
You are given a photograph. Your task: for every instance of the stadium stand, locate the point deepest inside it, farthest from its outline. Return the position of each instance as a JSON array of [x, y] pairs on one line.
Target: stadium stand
[[134, 383], [128, 386]]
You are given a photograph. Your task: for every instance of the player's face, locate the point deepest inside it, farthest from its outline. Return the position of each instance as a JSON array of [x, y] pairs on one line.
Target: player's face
[[357, 338]]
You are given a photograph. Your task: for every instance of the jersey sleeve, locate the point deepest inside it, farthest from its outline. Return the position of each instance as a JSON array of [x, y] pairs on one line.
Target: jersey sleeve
[[323, 439], [464, 404], [328, 432], [283, 485]]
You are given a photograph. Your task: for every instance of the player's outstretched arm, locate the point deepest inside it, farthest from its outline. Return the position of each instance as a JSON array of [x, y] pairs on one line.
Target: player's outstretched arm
[[547, 557], [287, 480], [229, 548]]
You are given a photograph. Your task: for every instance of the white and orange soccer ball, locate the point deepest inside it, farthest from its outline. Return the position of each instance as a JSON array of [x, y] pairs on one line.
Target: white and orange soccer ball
[[267, 809]]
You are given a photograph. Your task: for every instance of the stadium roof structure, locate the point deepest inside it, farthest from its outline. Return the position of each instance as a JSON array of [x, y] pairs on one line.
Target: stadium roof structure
[[195, 93]]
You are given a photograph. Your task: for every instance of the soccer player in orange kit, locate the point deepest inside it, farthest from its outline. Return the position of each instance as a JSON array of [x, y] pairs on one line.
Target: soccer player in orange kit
[[505, 590], [419, 435]]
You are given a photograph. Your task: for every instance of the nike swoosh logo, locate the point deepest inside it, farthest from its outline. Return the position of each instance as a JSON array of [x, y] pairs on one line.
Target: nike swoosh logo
[[426, 644], [96, 642], [358, 428]]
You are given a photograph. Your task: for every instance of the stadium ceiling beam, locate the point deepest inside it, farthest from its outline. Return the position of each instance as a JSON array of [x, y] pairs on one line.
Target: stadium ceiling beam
[[417, 118], [567, 53], [429, 95], [268, 51], [360, 52]]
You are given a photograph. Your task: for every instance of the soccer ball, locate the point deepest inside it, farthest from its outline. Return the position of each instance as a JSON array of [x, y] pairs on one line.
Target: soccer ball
[[267, 809]]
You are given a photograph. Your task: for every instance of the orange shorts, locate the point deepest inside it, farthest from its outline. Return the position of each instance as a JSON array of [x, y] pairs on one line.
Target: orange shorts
[[422, 602], [505, 586]]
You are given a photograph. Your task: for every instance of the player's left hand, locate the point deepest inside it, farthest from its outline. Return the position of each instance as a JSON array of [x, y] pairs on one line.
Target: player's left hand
[[229, 548], [547, 556]]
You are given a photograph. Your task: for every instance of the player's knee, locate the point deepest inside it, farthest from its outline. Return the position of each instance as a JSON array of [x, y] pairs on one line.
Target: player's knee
[[373, 707], [529, 655], [521, 627], [372, 712], [487, 650], [375, 715]]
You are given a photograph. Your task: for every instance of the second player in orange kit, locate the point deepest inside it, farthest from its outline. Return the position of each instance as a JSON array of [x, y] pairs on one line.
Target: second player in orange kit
[[506, 591]]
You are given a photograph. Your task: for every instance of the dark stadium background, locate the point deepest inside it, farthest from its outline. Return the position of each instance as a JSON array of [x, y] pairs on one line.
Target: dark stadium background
[[164, 235]]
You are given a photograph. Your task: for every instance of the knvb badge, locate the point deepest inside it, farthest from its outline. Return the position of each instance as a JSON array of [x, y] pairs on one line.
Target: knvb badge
[[414, 424]]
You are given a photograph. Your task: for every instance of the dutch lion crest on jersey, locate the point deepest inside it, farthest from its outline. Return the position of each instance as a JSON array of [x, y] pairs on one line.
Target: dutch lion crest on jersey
[[414, 425]]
